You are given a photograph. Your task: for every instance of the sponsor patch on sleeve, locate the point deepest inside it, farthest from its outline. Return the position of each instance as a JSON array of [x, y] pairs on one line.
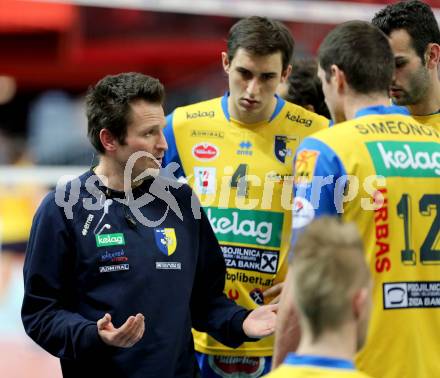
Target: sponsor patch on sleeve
[[305, 165]]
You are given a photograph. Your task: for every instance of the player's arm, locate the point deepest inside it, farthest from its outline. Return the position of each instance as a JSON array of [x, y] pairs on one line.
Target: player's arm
[[47, 313], [317, 169], [287, 329]]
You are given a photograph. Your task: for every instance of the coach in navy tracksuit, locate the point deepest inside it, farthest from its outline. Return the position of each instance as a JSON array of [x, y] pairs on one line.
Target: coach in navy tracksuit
[[114, 279]]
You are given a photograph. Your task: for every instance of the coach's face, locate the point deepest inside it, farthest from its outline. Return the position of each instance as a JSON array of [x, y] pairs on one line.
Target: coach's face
[[145, 134], [253, 82]]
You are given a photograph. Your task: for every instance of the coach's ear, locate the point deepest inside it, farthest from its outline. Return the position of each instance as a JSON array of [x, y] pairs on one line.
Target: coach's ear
[[108, 140]]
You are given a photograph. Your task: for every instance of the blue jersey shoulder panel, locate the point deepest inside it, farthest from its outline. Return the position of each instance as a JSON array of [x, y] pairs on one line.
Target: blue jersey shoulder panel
[[328, 181], [171, 155]]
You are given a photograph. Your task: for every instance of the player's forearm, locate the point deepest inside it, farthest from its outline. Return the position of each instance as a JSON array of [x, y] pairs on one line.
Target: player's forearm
[[287, 330]]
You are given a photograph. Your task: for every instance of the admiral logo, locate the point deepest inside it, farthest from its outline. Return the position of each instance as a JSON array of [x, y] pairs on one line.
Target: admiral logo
[[106, 240], [297, 118], [208, 134], [86, 227], [113, 268], [200, 114], [205, 151]]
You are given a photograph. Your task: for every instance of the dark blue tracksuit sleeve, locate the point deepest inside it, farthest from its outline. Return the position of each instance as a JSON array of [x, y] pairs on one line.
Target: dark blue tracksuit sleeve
[[47, 268], [211, 310]]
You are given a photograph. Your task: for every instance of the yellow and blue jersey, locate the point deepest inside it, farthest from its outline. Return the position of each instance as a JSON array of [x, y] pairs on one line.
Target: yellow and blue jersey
[[309, 366], [381, 170], [432, 120], [242, 174]]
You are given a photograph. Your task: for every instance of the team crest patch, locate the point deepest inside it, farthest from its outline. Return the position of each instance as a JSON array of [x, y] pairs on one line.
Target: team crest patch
[[305, 165], [283, 147], [166, 240]]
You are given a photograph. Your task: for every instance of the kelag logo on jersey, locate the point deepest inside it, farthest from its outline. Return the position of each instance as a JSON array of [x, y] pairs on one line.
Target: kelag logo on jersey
[[410, 159], [205, 151], [166, 240], [246, 226], [107, 240], [283, 147]]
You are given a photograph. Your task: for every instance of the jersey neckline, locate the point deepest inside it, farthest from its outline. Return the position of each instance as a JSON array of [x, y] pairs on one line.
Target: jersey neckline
[[277, 110], [319, 361]]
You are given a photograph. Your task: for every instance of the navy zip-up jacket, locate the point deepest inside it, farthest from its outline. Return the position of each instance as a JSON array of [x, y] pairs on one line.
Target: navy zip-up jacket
[[84, 263]]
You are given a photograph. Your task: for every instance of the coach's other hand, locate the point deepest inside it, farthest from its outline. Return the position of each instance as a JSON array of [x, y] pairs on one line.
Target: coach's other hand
[[126, 335]]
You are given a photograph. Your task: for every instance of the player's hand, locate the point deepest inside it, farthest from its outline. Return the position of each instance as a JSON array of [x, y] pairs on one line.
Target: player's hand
[[274, 292], [126, 335], [261, 321]]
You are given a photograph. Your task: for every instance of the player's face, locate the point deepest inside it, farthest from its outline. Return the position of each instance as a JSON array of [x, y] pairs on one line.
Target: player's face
[[253, 82], [332, 98], [144, 133], [411, 78]]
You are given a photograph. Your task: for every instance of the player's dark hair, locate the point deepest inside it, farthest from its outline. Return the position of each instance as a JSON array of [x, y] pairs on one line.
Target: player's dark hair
[[261, 36], [108, 103], [362, 52], [416, 18], [304, 87]]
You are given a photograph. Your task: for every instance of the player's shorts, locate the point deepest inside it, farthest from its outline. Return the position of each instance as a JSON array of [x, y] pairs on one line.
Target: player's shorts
[[233, 366]]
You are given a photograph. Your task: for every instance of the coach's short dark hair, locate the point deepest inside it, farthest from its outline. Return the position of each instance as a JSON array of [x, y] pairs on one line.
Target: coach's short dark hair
[[362, 52], [261, 36], [416, 18], [108, 103]]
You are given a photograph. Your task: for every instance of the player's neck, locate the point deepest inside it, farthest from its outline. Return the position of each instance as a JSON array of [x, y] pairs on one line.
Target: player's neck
[[354, 103], [250, 117], [336, 344], [431, 101]]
